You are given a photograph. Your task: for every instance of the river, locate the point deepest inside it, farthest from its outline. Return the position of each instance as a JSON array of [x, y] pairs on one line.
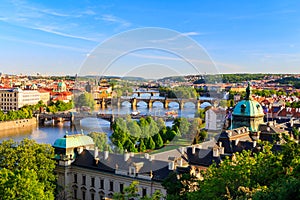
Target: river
[[49, 133]]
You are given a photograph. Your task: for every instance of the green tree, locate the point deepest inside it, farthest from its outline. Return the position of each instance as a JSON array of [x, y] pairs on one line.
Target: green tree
[[150, 143], [134, 129], [142, 145], [101, 141], [253, 175], [25, 156], [130, 192], [200, 113], [22, 184], [85, 99], [160, 123], [158, 141]]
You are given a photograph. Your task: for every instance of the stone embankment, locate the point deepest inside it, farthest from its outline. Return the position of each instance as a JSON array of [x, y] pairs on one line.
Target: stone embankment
[[20, 123]]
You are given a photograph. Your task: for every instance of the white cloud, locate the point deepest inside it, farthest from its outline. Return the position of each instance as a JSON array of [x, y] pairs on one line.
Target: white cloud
[[52, 31], [114, 19], [45, 44]]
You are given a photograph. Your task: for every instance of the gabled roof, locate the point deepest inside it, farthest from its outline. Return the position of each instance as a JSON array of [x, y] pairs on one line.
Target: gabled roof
[[201, 157], [159, 169]]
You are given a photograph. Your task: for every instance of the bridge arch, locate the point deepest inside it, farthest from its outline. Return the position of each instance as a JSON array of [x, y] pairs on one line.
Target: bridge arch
[[142, 103], [125, 103], [157, 103], [189, 104]]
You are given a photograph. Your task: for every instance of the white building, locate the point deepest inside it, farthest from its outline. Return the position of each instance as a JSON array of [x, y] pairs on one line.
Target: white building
[[15, 98], [215, 118], [87, 174]]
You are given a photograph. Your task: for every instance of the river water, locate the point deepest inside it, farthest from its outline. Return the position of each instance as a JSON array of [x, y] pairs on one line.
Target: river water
[[49, 133]]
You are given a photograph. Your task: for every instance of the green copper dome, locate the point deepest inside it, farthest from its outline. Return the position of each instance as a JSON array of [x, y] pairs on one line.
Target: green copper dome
[[249, 108], [73, 141], [248, 113]]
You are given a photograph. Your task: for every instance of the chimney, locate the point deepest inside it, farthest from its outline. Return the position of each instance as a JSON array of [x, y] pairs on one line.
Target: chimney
[[182, 149], [180, 162], [221, 150], [193, 149], [151, 157], [236, 141], [106, 153], [254, 144], [126, 156], [215, 152], [171, 165], [96, 152], [292, 122], [146, 155], [229, 133], [80, 150]]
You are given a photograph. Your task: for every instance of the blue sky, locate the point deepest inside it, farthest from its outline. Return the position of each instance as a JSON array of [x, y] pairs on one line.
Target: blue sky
[[58, 36]]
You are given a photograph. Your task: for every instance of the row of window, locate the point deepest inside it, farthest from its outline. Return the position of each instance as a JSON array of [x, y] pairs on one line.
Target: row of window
[[8, 95], [8, 108], [101, 194], [92, 194], [5, 99], [101, 186], [9, 104]]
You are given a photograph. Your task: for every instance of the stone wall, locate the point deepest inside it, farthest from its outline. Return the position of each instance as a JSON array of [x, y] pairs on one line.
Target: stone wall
[[17, 123]]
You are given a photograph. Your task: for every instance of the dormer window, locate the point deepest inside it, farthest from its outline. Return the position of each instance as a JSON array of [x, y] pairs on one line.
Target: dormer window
[[132, 171], [243, 108]]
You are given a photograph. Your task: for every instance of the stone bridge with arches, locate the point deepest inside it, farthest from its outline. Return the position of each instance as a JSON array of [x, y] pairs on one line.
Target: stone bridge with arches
[[152, 99]]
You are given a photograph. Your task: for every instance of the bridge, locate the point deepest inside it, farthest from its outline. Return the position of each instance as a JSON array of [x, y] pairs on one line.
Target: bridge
[[75, 118], [152, 99], [146, 91]]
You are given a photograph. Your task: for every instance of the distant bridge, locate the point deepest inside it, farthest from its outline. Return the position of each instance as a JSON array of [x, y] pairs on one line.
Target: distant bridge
[[150, 100], [75, 118], [146, 91]]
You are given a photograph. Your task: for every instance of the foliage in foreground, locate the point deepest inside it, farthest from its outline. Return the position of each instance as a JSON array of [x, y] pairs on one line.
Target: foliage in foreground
[[131, 192], [26, 170], [263, 175]]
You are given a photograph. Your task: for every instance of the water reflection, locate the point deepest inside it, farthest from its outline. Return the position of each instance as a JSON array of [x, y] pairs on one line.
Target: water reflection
[[49, 133]]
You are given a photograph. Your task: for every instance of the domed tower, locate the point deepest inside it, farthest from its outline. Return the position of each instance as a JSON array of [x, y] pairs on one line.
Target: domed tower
[[248, 112], [61, 87]]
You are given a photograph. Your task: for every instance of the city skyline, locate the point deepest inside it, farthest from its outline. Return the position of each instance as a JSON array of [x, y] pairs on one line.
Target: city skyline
[[57, 38]]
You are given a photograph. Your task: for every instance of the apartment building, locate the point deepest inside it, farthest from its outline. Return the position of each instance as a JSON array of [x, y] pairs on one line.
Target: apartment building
[[88, 174], [15, 98]]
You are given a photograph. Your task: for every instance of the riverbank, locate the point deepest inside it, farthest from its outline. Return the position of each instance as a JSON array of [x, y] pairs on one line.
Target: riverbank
[[20, 123]]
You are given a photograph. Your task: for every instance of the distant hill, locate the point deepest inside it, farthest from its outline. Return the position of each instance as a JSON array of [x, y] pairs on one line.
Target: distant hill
[[291, 80]]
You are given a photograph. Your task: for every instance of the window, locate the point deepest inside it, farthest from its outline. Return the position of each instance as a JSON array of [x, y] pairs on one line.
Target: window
[[144, 192], [75, 178], [101, 183], [75, 194], [122, 188], [101, 195], [92, 196], [111, 186], [83, 195], [92, 182], [83, 180]]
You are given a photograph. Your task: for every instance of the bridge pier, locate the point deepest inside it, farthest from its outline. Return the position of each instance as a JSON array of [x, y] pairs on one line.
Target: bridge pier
[[198, 104], [133, 104], [103, 104], [75, 122], [150, 103], [181, 105], [166, 104]]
